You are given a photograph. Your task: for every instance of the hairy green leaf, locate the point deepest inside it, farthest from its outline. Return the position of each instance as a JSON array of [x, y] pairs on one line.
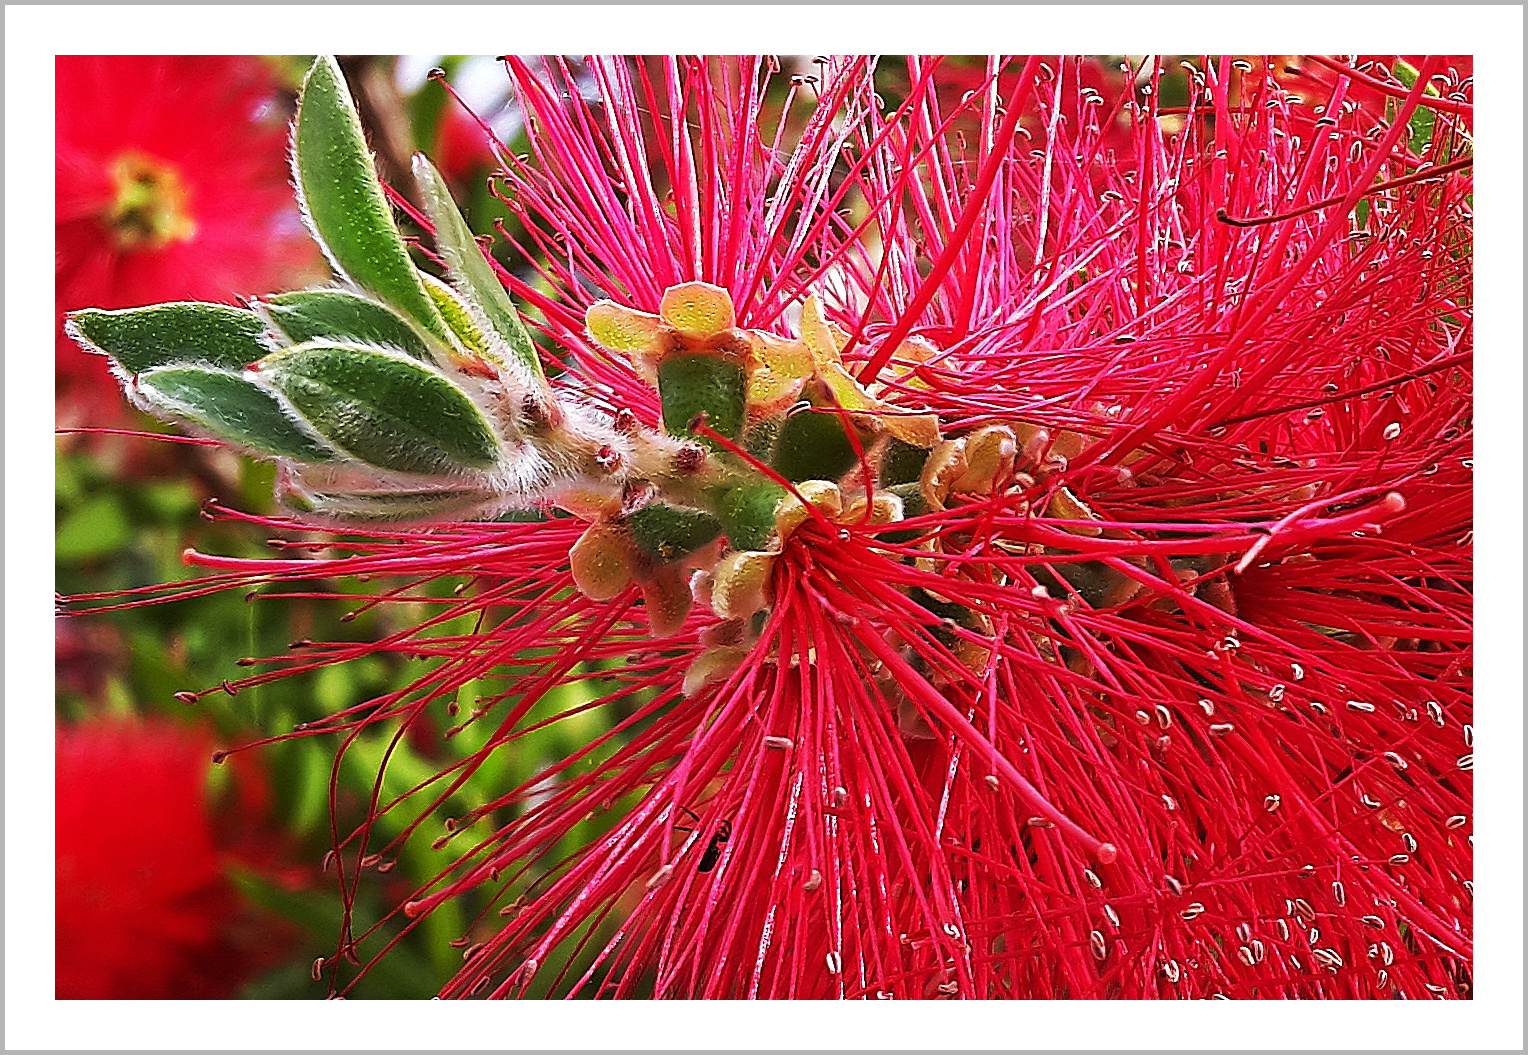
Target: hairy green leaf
[[344, 200], [475, 280], [454, 310], [180, 332], [385, 409], [339, 315], [230, 408]]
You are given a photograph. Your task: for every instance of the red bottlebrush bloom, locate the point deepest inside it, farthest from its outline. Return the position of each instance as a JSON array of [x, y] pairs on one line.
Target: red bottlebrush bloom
[[171, 184], [1126, 652], [145, 909]]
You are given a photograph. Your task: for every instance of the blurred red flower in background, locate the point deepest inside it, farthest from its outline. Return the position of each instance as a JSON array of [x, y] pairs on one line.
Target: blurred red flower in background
[[145, 908], [461, 151], [171, 184]]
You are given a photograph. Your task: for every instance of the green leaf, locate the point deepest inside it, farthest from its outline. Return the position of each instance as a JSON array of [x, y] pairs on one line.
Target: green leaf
[[384, 409], [475, 279], [667, 533], [344, 201], [231, 409], [454, 310], [396, 506], [339, 315], [690, 385], [180, 332], [813, 446]]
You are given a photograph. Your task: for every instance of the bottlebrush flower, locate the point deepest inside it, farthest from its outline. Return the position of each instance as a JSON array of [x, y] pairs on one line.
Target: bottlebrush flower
[[1013, 565], [171, 184], [144, 908]]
